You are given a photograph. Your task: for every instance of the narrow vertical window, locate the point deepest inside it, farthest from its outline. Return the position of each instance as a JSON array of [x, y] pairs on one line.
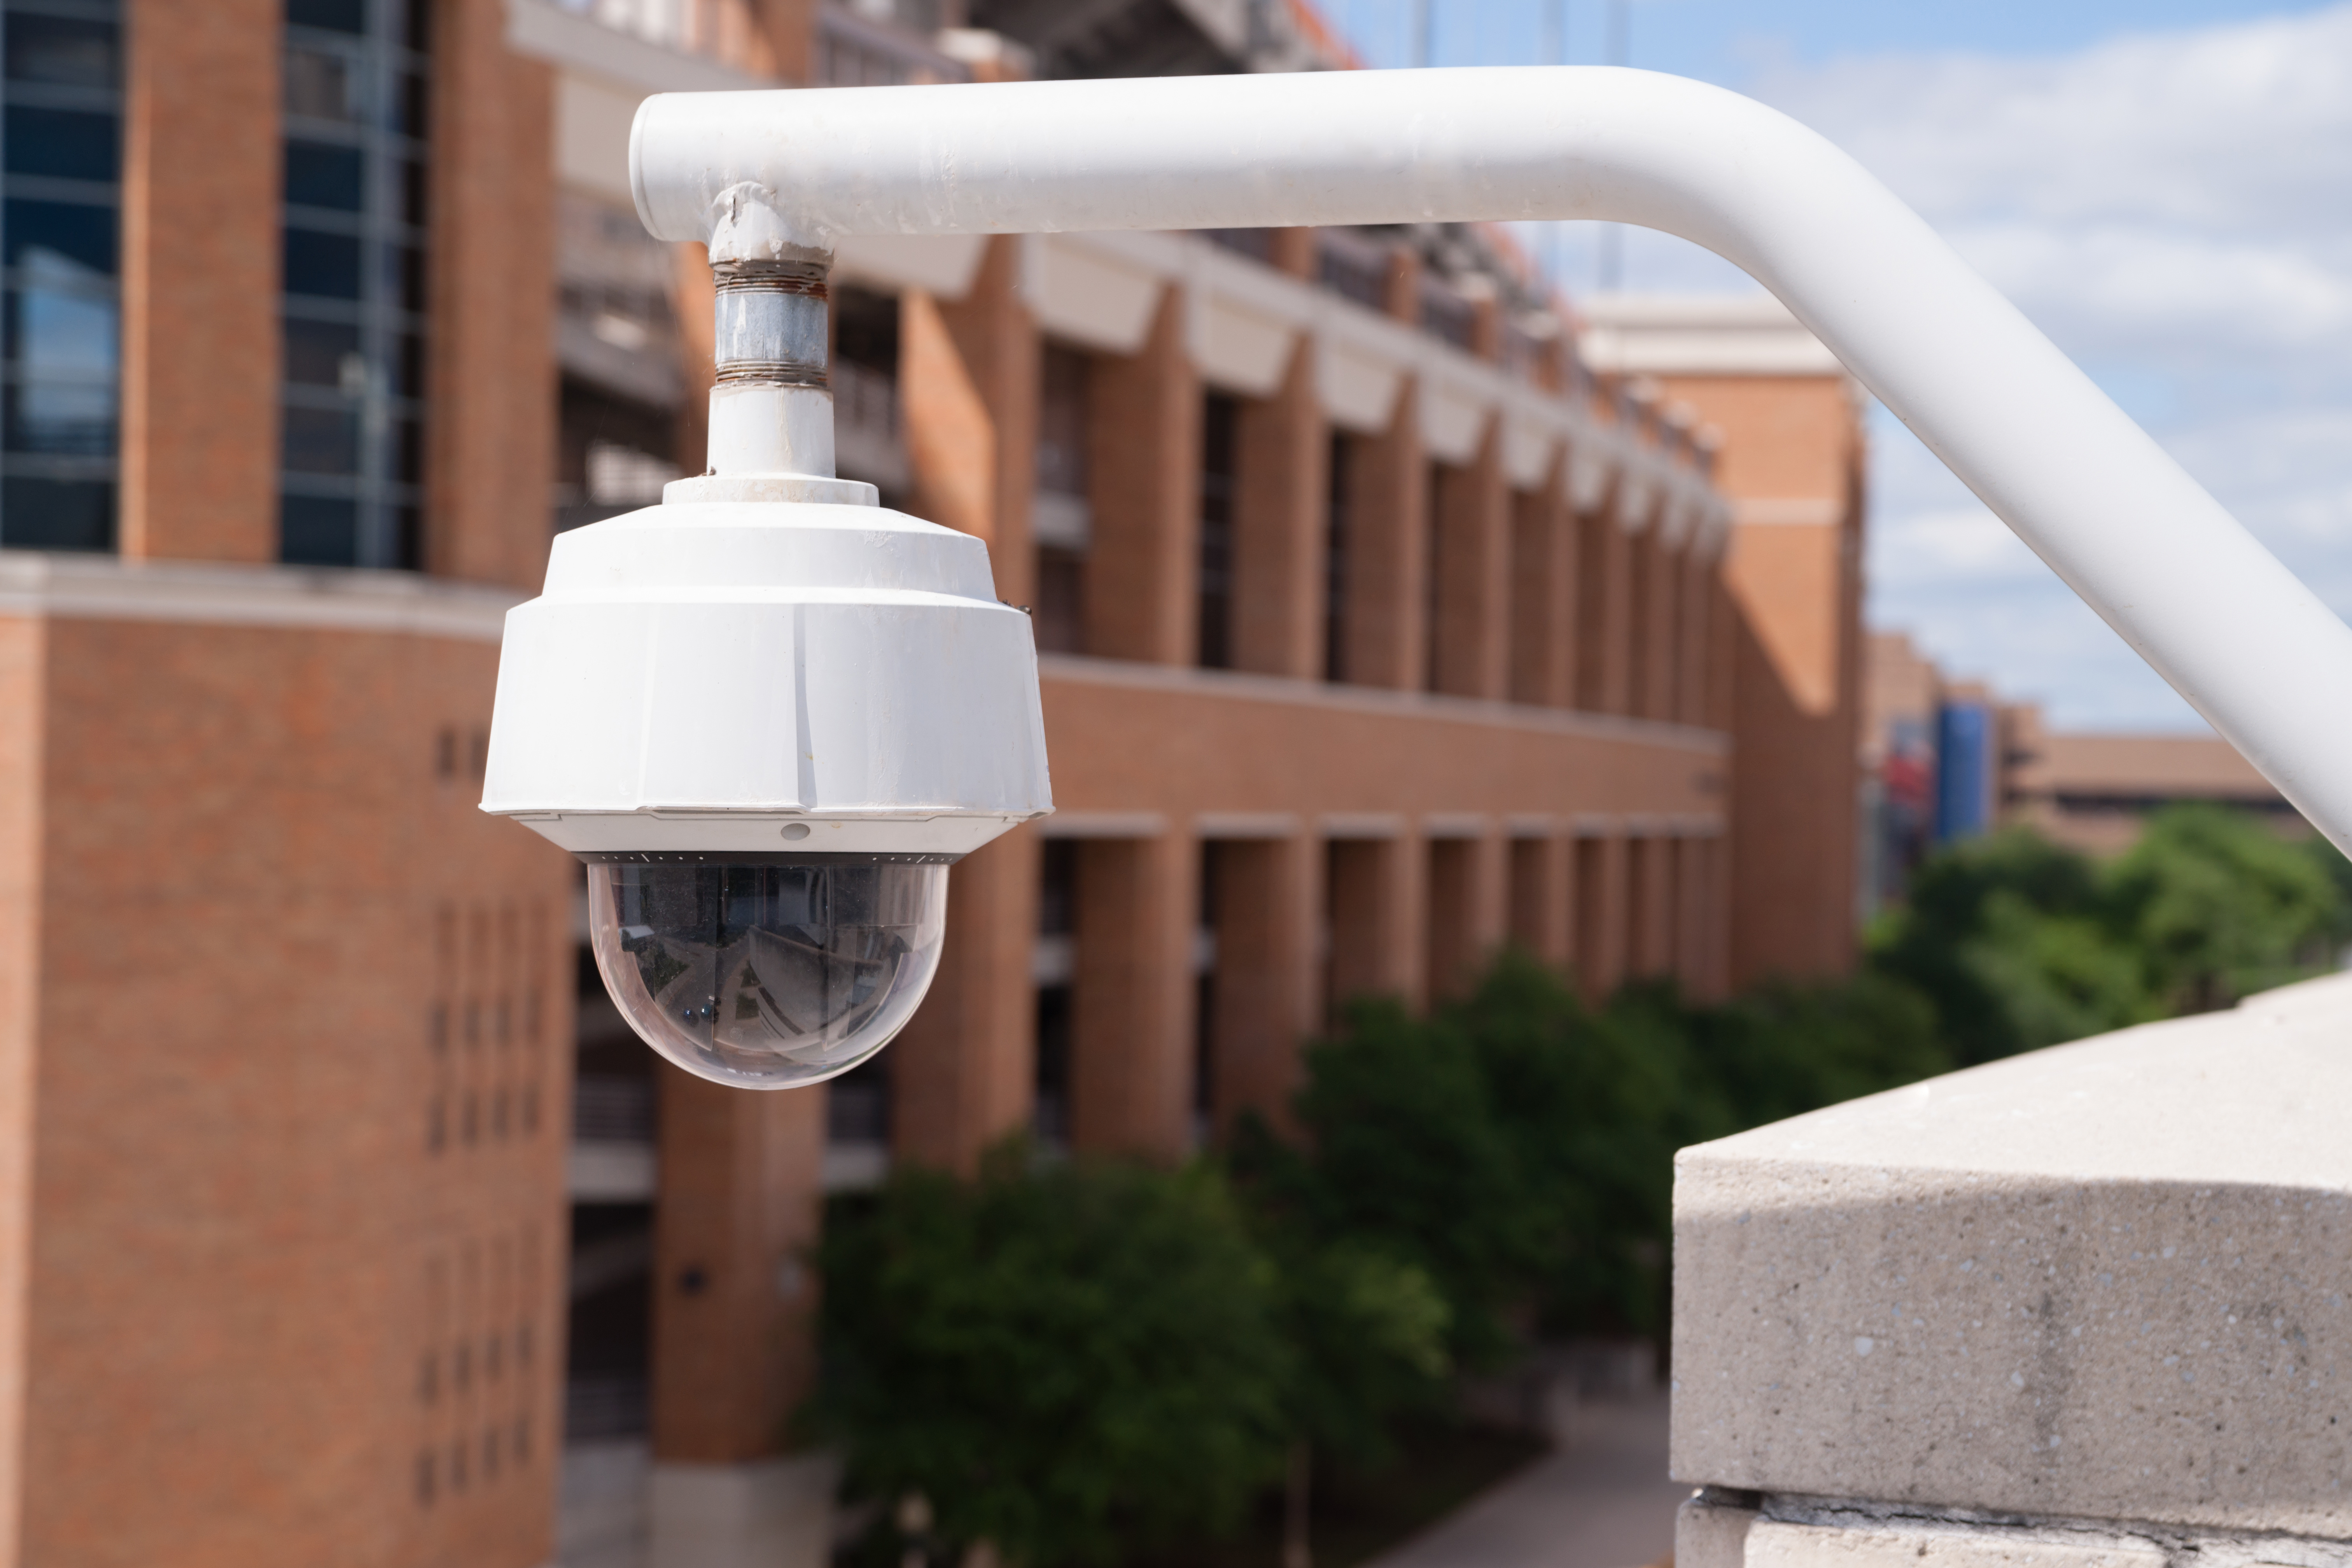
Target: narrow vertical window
[[1054, 968], [350, 482], [1337, 520], [1062, 516], [1219, 425], [60, 201]]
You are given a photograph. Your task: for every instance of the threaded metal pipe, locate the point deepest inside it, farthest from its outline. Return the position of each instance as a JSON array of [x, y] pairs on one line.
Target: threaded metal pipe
[[771, 320]]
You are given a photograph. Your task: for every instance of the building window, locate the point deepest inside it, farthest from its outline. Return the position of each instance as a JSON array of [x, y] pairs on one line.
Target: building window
[[1219, 430], [351, 484], [1062, 515], [61, 166], [1054, 968]]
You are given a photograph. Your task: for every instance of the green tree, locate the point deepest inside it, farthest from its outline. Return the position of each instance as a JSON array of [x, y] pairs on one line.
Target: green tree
[[1065, 1363], [2010, 939], [1404, 1159], [2218, 906]]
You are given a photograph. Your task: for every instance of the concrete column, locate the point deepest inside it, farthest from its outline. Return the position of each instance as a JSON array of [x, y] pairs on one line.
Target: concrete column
[[1131, 1004], [1373, 901], [1143, 484], [969, 385], [1474, 587], [1283, 491], [1603, 613], [733, 1328], [1387, 555], [200, 262], [1268, 919], [961, 1075], [1543, 595], [490, 445]]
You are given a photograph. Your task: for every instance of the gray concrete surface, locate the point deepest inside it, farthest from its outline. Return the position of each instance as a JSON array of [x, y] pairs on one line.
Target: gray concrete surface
[[2106, 1280], [1602, 1501]]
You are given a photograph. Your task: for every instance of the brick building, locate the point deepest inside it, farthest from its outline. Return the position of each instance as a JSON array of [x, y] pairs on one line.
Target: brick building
[[1945, 760], [1376, 628]]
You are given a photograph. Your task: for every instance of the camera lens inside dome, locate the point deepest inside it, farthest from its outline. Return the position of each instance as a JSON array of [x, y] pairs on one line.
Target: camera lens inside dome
[[767, 973]]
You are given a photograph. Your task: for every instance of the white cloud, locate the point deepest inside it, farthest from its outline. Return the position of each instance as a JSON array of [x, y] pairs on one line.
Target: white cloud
[[2173, 210]]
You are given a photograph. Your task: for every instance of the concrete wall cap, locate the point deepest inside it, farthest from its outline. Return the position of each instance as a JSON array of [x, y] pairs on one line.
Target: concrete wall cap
[[2261, 1093]]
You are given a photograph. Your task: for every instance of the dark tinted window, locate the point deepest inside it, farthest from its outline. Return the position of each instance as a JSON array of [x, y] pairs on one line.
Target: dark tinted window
[[57, 514], [65, 52], [321, 441], [329, 16], [65, 229], [324, 265], [316, 351], [320, 175], [64, 418], [62, 143], [315, 532]]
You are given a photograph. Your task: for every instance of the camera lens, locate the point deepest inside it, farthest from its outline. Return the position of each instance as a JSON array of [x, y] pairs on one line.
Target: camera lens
[[767, 973]]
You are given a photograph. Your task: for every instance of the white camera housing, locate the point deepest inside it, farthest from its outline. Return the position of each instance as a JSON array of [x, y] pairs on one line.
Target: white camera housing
[[769, 714]]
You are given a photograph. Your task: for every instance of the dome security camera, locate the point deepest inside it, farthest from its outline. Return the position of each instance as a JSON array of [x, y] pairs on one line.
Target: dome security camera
[[769, 715]]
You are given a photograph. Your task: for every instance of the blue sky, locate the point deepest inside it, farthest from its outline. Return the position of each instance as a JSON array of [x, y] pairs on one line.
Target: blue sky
[[2165, 186]]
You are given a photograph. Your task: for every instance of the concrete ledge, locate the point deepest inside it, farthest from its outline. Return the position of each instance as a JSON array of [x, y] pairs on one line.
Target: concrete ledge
[[2103, 1281]]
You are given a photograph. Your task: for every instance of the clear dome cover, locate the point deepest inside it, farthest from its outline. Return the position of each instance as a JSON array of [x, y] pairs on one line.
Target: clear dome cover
[[767, 972]]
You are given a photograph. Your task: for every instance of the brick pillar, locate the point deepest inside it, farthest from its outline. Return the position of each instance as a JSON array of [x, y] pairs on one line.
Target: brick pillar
[[1279, 517], [1691, 898], [1293, 253], [968, 374], [1543, 594], [1269, 903], [1663, 663], [1490, 898], [1373, 902], [734, 1319], [1446, 935], [1601, 915], [738, 1202], [962, 1075], [490, 446], [23, 658], [1474, 587], [1387, 555], [1603, 621], [1543, 898], [691, 300], [200, 266], [1131, 1004], [1144, 489], [1468, 911], [788, 27]]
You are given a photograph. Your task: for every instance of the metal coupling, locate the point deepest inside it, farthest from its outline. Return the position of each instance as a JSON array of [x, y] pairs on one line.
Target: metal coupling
[[772, 320]]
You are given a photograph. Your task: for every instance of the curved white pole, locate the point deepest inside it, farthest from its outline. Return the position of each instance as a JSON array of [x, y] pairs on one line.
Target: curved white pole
[[769, 173]]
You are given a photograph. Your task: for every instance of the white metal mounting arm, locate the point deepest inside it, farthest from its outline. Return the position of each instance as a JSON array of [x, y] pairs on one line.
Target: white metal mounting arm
[[769, 175]]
